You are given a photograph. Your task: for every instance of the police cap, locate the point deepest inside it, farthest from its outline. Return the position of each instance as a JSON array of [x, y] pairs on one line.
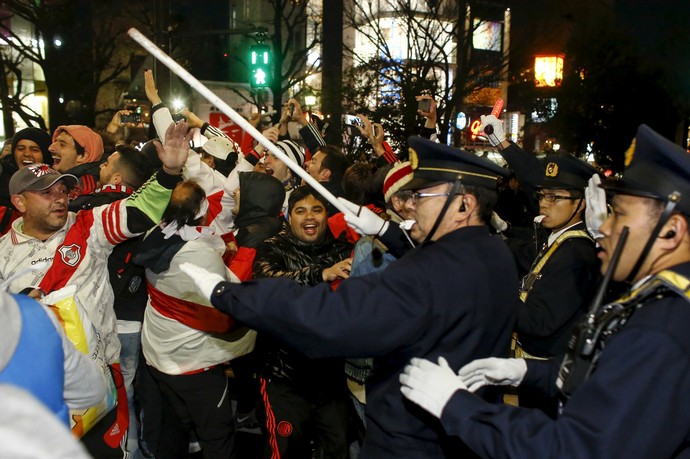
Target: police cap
[[655, 168], [435, 163], [565, 172]]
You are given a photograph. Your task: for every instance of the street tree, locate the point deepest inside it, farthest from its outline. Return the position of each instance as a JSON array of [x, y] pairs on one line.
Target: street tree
[[79, 45], [405, 48], [609, 88]]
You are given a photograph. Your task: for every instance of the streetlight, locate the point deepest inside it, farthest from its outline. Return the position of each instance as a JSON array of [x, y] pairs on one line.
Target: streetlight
[[309, 101]]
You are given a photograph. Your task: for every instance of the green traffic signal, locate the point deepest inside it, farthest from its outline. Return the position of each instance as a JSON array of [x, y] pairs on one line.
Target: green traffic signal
[[259, 66]]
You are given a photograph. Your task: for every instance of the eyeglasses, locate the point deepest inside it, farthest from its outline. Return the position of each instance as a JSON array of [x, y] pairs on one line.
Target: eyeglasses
[[552, 197], [417, 196]]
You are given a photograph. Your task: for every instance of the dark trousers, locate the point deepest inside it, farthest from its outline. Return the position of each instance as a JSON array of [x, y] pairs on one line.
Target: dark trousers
[[297, 415], [94, 443], [202, 399]]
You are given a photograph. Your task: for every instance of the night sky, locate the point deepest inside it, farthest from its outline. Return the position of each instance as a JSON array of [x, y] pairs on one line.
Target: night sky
[[660, 27]]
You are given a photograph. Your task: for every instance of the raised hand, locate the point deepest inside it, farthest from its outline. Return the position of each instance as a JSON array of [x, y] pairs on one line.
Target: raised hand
[[150, 88], [174, 154]]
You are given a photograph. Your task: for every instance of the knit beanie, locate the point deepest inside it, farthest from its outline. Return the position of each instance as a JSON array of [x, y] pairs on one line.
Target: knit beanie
[[87, 138], [292, 150], [396, 178], [41, 138]]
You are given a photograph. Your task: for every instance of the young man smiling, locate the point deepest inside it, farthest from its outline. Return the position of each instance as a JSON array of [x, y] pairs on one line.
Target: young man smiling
[[297, 390], [77, 150]]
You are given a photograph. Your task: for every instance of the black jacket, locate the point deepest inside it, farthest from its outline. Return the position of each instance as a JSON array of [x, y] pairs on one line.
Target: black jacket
[[559, 298], [286, 256]]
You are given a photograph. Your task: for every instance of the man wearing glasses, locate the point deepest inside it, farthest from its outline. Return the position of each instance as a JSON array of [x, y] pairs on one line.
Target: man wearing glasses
[[453, 295], [563, 277]]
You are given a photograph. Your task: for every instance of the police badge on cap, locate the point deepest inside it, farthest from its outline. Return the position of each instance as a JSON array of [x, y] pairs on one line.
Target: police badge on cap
[[434, 163], [656, 168], [565, 172]]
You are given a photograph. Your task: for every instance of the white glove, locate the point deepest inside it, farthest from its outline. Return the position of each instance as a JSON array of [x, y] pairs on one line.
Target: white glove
[[429, 385], [363, 220], [494, 372], [205, 280], [492, 128], [498, 223], [596, 212]]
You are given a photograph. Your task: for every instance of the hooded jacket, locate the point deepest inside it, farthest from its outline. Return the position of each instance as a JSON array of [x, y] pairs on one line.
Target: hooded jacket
[[261, 201]]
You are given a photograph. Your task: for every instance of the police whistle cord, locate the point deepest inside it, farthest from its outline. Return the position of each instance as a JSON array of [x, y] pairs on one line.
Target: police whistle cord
[[238, 119]]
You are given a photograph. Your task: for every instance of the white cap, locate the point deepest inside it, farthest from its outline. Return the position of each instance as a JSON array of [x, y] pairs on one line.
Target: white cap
[[219, 147]]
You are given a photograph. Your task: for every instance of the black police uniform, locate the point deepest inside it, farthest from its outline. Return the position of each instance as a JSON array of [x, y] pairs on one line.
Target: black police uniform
[[563, 277], [454, 297], [632, 403]]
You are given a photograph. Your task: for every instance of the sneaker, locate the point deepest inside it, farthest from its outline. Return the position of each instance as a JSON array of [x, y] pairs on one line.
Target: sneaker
[[246, 421]]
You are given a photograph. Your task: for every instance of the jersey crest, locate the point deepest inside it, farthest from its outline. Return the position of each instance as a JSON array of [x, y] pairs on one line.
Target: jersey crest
[[70, 254]]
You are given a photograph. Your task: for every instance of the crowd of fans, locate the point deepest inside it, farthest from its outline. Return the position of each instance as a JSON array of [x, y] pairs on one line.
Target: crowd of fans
[[154, 246]]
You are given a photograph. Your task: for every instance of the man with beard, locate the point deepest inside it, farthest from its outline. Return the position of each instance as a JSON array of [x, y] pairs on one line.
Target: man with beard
[[278, 168], [299, 391], [77, 150], [77, 246]]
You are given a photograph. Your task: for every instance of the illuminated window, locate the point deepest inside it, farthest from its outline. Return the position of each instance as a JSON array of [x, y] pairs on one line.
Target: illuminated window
[[487, 35], [548, 70]]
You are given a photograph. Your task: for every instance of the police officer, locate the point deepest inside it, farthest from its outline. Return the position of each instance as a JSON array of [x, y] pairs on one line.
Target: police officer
[[627, 374], [453, 295], [561, 280], [563, 277]]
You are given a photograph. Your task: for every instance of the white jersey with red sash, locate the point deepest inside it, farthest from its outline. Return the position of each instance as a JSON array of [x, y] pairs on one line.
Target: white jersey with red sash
[[182, 331]]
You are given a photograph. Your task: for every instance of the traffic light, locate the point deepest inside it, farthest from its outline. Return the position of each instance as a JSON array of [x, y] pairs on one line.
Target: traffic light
[[260, 66]]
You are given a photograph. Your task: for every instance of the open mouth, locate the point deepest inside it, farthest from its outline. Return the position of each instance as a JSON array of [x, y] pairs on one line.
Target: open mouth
[[27, 162], [310, 229], [269, 171]]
